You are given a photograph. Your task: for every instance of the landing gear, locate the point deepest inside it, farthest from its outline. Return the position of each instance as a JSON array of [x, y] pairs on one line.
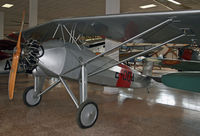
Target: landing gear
[[87, 114], [30, 98], [87, 111]]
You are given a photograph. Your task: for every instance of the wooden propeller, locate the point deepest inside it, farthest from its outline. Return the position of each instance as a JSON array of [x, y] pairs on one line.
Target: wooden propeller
[[15, 61]]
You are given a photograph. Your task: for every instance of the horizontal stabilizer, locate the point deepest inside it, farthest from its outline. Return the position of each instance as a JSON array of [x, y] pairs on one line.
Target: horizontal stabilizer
[[185, 80]]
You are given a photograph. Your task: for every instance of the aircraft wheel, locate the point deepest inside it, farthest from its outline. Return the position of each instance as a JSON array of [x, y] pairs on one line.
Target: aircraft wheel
[[87, 114], [29, 97]]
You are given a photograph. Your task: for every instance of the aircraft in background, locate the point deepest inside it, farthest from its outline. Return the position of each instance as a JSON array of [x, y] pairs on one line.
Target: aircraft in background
[[188, 66], [54, 49], [6, 49], [188, 59]]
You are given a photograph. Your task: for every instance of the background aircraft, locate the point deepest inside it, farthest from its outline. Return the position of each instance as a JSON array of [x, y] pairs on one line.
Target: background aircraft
[[187, 59], [6, 49], [188, 66]]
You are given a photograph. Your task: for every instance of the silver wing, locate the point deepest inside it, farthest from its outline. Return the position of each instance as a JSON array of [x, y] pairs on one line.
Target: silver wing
[[121, 27]]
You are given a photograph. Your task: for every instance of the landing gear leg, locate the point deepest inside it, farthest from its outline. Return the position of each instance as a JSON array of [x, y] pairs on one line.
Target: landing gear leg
[[147, 90], [88, 111], [30, 96]]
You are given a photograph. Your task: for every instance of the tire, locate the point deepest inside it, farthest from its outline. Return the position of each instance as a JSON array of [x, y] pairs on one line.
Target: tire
[[83, 119], [28, 98]]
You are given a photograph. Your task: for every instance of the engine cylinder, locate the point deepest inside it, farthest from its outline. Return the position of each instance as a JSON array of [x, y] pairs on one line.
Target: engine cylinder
[[31, 52]]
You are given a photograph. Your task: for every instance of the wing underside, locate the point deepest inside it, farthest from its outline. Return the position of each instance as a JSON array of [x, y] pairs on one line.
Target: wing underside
[[120, 27]]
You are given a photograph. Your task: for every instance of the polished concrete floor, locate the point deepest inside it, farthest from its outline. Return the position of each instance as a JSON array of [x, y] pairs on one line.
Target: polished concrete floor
[[162, 112]]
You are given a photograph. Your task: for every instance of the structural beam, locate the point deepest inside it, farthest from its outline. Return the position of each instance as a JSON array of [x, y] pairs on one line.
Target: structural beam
[[33, 13], [112, 7], [1, 25]]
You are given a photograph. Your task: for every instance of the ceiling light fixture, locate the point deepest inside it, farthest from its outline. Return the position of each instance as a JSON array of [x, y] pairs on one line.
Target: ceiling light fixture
[[7, 5], [148, 6], [175, 2]]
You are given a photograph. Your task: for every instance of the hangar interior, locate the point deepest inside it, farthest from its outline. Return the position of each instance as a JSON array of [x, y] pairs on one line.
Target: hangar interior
[[169, 108]]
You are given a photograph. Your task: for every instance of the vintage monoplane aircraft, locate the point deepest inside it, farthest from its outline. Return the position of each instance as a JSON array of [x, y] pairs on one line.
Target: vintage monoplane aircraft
[[54, 49]]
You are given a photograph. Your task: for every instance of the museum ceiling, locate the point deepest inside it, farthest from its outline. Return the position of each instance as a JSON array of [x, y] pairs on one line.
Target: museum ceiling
[[52, 9]]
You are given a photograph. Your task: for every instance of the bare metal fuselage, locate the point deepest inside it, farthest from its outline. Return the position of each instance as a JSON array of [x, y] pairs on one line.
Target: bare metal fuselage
[[59, 58]]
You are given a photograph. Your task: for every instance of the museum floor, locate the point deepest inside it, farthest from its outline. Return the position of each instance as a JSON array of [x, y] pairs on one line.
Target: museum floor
[[162, 112]]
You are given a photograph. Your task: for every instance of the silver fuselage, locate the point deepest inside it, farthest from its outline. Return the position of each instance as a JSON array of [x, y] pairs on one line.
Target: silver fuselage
[[61, 57]]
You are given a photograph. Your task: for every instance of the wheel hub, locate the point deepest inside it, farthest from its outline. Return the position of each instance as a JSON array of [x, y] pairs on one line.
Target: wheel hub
[[32, 98], [88, 115]]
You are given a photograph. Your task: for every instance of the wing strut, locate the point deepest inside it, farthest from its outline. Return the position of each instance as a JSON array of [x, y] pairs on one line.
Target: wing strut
[[131, 39], [72, 36], [139, 54]]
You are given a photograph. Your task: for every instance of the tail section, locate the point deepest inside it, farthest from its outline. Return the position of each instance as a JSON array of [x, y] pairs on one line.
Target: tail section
[[147, 68]]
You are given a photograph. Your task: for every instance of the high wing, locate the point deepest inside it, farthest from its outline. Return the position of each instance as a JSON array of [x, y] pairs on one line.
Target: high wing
[[121, 27]]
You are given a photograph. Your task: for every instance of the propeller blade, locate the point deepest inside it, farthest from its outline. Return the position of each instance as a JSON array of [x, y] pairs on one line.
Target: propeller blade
[[15, 61]]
